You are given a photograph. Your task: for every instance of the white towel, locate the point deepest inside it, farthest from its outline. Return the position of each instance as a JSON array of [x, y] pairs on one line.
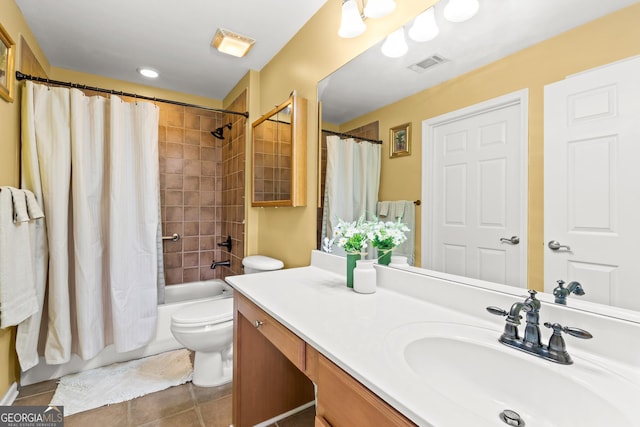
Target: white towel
[[35, 212], [17, 280], [19, 205], [405, 211]]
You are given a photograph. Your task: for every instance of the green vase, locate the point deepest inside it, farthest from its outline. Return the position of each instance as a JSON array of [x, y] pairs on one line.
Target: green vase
[[351, 264], [385, 258]]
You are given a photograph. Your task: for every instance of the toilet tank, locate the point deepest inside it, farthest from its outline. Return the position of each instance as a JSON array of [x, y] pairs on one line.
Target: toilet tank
[[259, 263]]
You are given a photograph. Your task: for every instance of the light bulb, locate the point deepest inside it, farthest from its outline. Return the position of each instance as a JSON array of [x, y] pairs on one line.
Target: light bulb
[[460, 10], [379, 8], [395, 44], [351, 24], [424, 27], [148, 72]]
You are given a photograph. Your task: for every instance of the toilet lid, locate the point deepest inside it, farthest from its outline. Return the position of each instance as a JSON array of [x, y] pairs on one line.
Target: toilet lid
[[205, 313], [261, 262]]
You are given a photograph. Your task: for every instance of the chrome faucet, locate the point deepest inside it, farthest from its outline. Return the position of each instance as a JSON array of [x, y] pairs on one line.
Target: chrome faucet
[[215, 264], [561, 293], [531, 343]]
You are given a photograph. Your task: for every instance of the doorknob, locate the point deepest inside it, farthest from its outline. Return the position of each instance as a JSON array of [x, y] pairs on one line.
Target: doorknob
[[514, 240], [554, 245]]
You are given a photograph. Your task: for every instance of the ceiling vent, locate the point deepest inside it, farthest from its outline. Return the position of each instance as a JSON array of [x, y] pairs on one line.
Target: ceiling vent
[[432, 61]]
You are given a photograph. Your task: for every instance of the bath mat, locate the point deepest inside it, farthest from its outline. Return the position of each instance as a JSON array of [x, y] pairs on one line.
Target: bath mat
[[120, 382]]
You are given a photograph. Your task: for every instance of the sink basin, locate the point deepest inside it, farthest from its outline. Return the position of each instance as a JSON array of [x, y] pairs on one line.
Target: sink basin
[[478, 378]]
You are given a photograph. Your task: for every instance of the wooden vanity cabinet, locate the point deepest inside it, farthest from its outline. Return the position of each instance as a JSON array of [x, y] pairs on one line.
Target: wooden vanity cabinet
[[274, 372]]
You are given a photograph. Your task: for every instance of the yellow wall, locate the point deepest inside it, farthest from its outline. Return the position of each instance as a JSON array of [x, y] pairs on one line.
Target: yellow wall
[[13, 22], [607, 39], [315, 52]]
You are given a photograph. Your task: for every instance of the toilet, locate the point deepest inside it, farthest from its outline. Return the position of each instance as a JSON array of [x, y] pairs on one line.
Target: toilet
[[207, 328]]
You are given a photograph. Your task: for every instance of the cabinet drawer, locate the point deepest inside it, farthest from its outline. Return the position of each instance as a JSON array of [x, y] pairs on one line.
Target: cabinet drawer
[[282, 338]]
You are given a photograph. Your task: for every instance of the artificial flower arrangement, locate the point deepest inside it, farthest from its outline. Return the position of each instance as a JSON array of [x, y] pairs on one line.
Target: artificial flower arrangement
[[383, 235]]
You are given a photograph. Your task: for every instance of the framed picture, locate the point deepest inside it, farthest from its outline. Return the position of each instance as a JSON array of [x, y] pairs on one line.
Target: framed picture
[[400, 140], [7, 57]]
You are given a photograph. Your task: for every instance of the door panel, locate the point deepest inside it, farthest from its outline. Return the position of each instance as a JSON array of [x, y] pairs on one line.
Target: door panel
[[476, 170], [592, 202]]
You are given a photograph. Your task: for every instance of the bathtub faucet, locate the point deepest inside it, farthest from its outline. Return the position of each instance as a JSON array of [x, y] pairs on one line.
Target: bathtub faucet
[[226, 263]]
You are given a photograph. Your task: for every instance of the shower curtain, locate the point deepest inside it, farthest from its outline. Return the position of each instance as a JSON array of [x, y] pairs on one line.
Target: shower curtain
[[352, 182], [92, 163]]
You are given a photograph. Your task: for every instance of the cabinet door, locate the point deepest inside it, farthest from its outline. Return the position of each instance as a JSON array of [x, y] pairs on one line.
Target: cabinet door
[[344, 402], [265, 382]]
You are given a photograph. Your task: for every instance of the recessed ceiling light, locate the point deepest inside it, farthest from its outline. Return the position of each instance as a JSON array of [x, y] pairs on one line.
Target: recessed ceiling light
[[232, 43], [148, 73]]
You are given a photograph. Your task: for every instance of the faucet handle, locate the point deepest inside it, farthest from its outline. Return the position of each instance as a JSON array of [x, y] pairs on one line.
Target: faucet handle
[[575, 332], [497, 311]]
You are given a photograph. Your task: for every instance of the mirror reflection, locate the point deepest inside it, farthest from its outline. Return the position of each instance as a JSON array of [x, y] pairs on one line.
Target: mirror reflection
[[504, 49], [272, 157]]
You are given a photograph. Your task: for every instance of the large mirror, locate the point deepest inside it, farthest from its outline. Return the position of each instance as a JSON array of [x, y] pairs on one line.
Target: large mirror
[[507, 47]]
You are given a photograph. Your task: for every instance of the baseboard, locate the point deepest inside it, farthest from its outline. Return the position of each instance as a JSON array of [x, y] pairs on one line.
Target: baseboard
[[10, 396], [285, 415]]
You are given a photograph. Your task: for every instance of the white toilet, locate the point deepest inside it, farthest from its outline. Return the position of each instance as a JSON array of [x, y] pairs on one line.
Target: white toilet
[[207, 328]]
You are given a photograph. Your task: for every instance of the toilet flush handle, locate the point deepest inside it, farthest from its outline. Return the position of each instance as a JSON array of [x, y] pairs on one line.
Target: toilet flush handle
[[258, 323]]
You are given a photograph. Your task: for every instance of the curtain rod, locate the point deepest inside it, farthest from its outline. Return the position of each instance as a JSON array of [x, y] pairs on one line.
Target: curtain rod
[[374, 141], [20, 76]]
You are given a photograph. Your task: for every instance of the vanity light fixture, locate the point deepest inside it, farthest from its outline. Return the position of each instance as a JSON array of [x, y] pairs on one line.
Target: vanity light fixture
[[352, 20], [460, 10], [424, 27], [148, 72], [395, 44], [232, 43], [351, 23], [379, 8]]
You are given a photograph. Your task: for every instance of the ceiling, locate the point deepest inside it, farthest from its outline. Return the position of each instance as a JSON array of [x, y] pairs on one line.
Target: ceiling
[[500, 28], [113, 38]]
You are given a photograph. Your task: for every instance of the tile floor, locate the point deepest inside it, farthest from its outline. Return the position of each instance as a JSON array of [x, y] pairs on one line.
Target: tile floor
[[184, 406]]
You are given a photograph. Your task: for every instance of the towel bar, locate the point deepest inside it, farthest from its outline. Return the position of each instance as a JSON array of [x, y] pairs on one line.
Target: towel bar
[[174, 238]]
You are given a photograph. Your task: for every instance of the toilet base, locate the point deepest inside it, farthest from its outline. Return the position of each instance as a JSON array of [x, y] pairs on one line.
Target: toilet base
[[211, 369]]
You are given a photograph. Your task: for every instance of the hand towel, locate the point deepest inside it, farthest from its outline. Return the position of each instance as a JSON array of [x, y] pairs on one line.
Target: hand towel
[[17, 281], [35, 212], [383, 209], [19, 205], [405, 211]]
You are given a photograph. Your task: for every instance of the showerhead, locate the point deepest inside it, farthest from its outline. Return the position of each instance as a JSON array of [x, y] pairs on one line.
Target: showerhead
[[219, 132]]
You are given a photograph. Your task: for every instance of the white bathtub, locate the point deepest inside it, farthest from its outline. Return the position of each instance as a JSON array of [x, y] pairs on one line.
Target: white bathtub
[[176, 297]]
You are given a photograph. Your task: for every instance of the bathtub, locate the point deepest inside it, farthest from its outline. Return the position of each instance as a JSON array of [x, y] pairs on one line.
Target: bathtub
[[176, 297]]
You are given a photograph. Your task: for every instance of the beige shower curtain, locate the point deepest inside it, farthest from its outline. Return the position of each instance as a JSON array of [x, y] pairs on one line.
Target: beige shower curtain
[[93, 164], [351, 183]]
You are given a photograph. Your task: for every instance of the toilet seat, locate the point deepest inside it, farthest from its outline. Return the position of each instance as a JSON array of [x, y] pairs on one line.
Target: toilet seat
[[204, 313]]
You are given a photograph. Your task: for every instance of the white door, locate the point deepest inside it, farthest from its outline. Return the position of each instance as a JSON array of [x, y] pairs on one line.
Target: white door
[[475, 191], [592, 183]]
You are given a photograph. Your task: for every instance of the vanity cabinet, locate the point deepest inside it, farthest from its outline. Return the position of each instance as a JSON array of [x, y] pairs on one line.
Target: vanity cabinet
[[274, 372]]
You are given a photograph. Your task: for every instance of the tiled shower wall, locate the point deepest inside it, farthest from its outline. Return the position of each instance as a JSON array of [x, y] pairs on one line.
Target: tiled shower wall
[[190, 188], [201, 190], [233, 183]]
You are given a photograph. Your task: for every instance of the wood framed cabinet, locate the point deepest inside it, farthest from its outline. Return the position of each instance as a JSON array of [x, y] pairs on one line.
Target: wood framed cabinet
[[274, 372]]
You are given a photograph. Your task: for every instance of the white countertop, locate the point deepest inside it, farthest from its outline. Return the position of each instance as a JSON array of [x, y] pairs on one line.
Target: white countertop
[[346, 327], [353, 330]]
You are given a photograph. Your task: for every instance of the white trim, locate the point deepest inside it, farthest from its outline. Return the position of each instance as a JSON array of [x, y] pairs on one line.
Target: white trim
[[285, 415], [10, 396], [520, 97]]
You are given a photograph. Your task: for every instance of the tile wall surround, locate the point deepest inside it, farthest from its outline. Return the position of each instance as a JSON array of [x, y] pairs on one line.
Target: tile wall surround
[[233, 187], [201, 178]]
